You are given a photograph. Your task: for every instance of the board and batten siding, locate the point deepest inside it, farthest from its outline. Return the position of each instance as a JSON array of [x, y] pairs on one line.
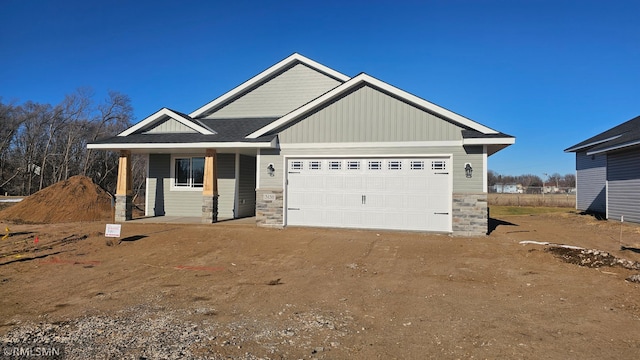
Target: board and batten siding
[[170, 126], [591, 178], [369, 115], [158, 171], [623, 189], [226, 185], [460, 156], [247, 186], [288, 90], [162, 200], [271, 156]]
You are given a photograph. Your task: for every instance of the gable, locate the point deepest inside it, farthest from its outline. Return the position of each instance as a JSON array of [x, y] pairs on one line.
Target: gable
[[168, 126], [367, 114], [285, 91]]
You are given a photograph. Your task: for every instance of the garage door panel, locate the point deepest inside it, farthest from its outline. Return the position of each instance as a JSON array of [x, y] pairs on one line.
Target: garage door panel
[[409, 194]]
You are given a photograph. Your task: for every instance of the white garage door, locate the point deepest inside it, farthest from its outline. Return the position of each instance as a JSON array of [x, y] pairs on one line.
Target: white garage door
[[373, 193]]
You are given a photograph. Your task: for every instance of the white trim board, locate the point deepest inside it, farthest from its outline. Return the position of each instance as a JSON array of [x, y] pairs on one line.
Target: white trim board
[[198, 145], [150, 120]]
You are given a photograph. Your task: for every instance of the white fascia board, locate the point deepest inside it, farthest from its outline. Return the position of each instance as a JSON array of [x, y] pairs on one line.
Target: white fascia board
[[617, 147], [166, 112], [266, 74], [364, 78], [578, 148], [394, 144], [489, 141], [198, 145]]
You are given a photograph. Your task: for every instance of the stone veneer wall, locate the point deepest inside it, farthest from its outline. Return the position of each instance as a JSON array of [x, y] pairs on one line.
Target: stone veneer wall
[[124, 208], [269, 207], [470, 215], [209, 209]]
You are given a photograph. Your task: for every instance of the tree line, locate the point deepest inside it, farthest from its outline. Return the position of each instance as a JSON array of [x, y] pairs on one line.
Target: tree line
[[41, 144], [530, 180]]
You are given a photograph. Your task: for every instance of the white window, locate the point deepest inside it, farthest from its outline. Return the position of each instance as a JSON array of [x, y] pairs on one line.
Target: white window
[[353, 165], [394, 165], [335, 165], [296, 165], [315, 165], [188, 172], [417, 165], [438, 165], [375, 165]]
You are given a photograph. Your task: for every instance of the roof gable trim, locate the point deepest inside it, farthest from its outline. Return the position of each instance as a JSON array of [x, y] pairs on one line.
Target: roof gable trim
[[591, 144], [266, 74], [158, 115], [364, 78], [615, 147]]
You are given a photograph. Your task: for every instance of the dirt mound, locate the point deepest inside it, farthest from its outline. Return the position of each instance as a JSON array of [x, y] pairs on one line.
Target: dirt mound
[[75, 199]]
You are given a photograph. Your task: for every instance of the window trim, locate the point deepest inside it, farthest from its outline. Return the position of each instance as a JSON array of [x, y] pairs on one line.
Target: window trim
[[190, 187]]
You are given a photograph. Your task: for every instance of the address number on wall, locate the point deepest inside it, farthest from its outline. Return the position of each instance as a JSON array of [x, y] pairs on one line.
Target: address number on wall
[[268, 196]]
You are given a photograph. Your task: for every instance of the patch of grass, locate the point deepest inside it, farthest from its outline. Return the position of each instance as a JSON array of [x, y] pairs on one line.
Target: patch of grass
[[496, 210]]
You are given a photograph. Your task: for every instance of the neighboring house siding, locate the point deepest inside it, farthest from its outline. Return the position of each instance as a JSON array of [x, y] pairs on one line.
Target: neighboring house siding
[[247, 186], [591, 182], [170, 126], [461, 184], [287, 91], [369, 115], [623, 175]]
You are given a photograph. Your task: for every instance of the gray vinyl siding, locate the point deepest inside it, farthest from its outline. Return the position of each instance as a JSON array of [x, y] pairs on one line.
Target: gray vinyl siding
[[461, 155], [226, 185], [159, 170], [269, 156], [369, 115], [167, 202], [170, 126], [591, 177], [623, 174], [247, 186], [164, 201], [281, 94]]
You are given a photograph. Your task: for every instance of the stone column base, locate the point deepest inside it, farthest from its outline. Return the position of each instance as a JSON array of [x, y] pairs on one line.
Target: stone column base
[[269, 207], [209, 209], [470, 215], [124, 208]]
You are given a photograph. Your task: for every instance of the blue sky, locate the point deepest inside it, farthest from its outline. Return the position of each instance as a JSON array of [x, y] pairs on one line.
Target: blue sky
[[552, 73]]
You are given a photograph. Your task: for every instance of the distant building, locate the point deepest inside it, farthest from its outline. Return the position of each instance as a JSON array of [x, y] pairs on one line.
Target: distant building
[[607, 172], [508, 188]]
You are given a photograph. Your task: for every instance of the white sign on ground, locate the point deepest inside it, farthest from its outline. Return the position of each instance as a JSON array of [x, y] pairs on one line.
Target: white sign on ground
[[113, 230]]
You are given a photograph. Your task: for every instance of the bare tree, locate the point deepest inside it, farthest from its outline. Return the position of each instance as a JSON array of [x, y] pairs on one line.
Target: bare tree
[[41, 144]]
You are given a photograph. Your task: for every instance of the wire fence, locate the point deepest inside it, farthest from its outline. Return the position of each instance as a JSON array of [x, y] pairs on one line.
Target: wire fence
[[567, 200]]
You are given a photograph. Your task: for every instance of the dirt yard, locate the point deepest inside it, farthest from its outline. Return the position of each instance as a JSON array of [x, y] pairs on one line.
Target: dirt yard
[[237, 291]]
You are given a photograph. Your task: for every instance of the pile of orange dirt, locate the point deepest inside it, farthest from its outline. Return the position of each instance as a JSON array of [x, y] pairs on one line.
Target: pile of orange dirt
[[75, 199]]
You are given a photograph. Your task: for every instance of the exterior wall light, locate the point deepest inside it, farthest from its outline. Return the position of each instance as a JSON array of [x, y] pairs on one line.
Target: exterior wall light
[[271, 170], [468, 170]]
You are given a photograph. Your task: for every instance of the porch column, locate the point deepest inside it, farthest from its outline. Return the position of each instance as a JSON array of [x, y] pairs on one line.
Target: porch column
[[124, 193], [210, 188]]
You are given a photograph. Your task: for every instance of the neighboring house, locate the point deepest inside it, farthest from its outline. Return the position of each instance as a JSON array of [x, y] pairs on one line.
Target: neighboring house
[[608, 172], [302, 144], [508, 188]]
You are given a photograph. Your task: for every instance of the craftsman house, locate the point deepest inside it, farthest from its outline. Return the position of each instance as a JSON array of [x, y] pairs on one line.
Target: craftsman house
[[301, 144], [608, 172]]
